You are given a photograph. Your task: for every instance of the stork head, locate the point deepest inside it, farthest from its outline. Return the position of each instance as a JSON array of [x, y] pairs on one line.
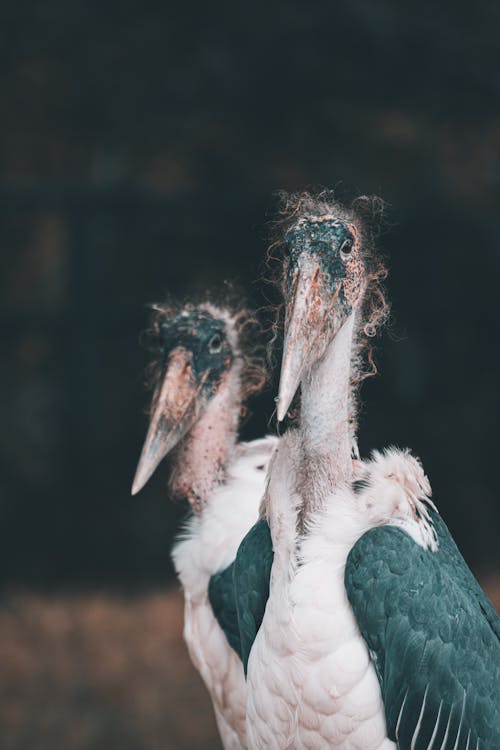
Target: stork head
[[198, 347], [327, 270]]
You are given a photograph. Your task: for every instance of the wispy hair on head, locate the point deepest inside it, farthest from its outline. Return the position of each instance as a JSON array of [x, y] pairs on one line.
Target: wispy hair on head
[[367, 213], [243, 326]]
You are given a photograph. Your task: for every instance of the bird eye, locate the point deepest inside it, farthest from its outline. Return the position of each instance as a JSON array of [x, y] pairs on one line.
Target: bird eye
[[346, 249], [215, 344]]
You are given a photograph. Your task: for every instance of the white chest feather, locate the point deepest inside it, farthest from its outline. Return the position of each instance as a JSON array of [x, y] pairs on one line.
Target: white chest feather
[[311, 683], [209, 544], [309, 642]]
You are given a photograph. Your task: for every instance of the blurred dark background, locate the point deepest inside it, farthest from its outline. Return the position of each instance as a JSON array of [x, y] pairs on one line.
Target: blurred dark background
[[140, 147]]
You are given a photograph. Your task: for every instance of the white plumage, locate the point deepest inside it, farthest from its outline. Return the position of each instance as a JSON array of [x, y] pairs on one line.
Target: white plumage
[[311, 682], [207, 545]]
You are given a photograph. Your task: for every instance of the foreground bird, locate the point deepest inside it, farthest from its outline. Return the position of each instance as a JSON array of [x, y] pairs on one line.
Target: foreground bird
[[376, 634], [207, 368]]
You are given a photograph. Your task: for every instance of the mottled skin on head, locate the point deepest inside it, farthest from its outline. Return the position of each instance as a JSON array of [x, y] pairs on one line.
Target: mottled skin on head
[[204, 336], [203, 370], [331, 247], [335, 245], [199, 460], [196, 323]]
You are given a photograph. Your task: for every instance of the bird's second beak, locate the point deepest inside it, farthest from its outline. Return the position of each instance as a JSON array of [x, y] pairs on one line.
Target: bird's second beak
[[307, 325], [176, 405]]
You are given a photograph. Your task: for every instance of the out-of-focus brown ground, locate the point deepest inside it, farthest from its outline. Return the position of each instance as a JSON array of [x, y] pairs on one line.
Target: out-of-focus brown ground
[[93, 672], [99, 673]]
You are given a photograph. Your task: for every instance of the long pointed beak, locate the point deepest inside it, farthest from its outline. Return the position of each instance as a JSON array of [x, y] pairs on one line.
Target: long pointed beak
[[307, 318], [175, 407]]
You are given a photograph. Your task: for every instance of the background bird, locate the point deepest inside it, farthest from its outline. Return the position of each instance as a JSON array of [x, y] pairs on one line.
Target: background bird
[[209, 363], [376, 634]]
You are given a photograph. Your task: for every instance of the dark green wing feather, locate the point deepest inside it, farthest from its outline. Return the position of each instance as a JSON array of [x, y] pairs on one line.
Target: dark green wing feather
[[238, 594], [251, 576], [434, 638], [222, 598]]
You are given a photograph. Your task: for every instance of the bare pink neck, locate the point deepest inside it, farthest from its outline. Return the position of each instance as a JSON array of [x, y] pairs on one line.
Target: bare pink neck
[[200, 461], [325, 422]]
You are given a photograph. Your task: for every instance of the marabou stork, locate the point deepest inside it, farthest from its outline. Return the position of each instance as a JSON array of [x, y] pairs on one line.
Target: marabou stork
[[207, 367], [376, 634]]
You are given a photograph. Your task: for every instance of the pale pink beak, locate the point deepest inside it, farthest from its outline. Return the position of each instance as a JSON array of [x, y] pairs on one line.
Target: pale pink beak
[[176, 406], [308, 322]]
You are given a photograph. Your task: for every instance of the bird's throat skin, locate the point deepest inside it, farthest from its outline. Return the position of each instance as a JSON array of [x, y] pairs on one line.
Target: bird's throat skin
[[200, 461], [325, 423]]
